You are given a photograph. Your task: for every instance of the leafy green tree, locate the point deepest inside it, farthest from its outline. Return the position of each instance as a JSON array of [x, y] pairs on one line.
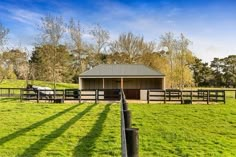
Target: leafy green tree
[[216, 66], [42, 62], [202, 73], [229, 70], [51, 30]]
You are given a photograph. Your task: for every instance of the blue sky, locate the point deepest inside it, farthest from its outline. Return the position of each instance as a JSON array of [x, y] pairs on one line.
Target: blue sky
[[209, 24]]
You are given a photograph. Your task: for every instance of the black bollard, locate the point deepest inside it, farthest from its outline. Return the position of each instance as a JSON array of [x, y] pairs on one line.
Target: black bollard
[[127, 118], [132, 141]]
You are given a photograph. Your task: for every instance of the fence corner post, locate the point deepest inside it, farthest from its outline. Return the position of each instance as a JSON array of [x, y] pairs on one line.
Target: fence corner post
[[148, 96]]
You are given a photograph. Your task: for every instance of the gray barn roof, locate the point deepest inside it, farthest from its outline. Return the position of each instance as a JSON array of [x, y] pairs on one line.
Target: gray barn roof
[[120, 70]]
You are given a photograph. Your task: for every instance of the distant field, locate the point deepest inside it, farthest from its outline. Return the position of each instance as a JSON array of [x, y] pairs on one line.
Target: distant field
[[22, 84], [30, 129]]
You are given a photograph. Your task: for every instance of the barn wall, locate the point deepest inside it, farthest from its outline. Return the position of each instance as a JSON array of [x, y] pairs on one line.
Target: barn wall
[[128, 83], [92, 83], [143, 83]]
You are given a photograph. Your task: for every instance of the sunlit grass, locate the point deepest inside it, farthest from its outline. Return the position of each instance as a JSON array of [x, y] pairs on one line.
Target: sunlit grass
[[22, 84], [186, 130], [29, 129], [46, 129]]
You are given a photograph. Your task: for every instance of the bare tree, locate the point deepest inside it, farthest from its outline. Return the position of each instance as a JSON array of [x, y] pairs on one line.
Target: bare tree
[[133, 46], [101, 37], [3, 37], [3, 34], [169, 42], [52, 29], [184, 57], [79, 49]]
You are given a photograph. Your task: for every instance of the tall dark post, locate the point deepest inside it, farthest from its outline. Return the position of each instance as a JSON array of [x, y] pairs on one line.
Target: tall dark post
[[208, 96], [127, 118], [148, 96], [38, 95], [132, 142], [164, 96], [79, 92], [96, 96]]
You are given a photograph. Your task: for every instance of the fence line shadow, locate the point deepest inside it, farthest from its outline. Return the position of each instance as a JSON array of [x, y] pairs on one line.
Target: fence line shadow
[[88, 141], [38, 146], [35, 125]]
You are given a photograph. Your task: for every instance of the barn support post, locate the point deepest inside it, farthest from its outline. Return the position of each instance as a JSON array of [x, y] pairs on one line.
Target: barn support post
[[132, 142], [103, 83], [121, 83]]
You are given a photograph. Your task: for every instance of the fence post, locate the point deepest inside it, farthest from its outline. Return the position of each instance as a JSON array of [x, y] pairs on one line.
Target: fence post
[[164, 96], [132, 142], [127, 118], [9, 92], [21, 91], [64, 95], [38, 95], [79, 92], [96, 96], [225, 96], [148, 94], [235, 94], [191, 96], [208, 96], [181, 92]]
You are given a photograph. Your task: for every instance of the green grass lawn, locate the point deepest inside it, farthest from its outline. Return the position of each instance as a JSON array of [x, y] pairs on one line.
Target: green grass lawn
[[30, 129]]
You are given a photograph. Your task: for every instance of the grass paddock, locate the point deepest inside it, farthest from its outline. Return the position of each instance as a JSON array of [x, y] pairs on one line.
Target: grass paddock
[[44, 129]]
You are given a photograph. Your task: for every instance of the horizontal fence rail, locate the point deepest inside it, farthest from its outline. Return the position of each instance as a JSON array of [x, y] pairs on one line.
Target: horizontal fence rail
[[186, 96], [70, 94], [10, 92]]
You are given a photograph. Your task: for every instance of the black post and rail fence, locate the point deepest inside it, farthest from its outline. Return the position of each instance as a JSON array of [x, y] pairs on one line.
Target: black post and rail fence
[[169, 95], [187, 96], [129, 136]]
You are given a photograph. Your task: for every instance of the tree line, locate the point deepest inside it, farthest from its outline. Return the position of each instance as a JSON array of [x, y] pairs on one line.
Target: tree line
[[62, 51]]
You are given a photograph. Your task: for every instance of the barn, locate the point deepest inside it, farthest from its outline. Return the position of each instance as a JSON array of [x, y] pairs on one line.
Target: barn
[[134, 79]]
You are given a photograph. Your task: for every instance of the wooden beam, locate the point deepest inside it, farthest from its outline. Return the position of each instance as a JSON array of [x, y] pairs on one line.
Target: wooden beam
[[121, 83]]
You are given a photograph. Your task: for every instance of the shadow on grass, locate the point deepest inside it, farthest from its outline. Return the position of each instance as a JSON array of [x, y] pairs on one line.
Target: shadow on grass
[[33, 126], [87, 143], [38, 146], [5, 100]]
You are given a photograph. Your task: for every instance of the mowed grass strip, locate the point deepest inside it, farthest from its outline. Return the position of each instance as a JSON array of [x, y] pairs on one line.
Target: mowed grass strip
[[30, 129], [186, 130]]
